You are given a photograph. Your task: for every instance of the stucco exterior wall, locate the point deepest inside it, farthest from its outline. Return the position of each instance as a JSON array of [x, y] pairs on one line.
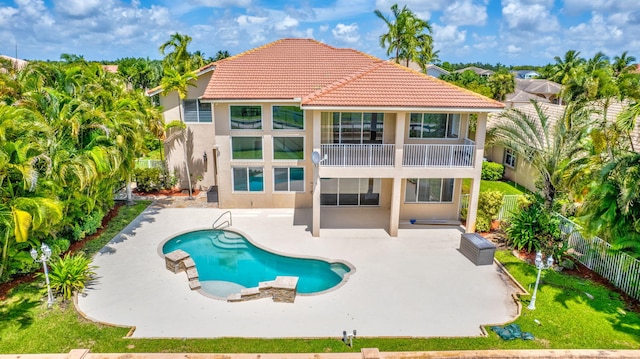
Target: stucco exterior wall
[[522, 174]]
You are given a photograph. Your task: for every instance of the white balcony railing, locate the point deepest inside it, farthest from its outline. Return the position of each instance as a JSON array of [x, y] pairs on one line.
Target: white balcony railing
[[438, 155], [349, 155]]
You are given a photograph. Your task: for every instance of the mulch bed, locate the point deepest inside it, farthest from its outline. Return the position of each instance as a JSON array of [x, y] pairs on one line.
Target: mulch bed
[[168, 192], [73, 248]]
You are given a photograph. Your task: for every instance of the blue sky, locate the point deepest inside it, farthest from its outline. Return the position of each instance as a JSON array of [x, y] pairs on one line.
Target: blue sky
[[512, 32]]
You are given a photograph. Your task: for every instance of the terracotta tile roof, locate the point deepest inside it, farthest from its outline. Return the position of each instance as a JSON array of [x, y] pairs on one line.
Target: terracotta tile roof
[[322, 75]]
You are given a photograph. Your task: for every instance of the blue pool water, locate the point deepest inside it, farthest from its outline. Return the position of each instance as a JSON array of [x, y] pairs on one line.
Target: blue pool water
[[227, 262]]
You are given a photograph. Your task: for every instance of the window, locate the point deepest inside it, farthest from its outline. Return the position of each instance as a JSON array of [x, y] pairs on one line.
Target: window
[[246, 117], [288, 118], [196, 111], [420, 190], [434, 125], [246, 148], [288, 179], [350, 191], [353, 127], [288, 148], [248, 179], [510, 158]]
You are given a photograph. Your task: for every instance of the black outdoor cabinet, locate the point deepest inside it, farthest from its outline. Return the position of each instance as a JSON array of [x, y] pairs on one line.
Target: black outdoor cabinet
[[477, 249], [212, 194]]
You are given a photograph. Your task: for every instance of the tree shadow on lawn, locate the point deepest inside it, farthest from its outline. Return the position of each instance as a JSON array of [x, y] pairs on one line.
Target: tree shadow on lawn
[[20, 312]]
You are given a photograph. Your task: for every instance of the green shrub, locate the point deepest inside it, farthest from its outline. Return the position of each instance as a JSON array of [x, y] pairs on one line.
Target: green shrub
[[70, 273], [489, 204], [153, 179], [87, 225], [533, 228], [492, 171]]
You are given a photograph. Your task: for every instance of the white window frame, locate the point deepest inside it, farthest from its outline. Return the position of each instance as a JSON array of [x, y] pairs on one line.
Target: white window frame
[[247, 129], [440, 201], [246, 168], [288, 168], [246, 159], [510, 158], [287, 129], [273, 149], [198, 103], [446, 128]]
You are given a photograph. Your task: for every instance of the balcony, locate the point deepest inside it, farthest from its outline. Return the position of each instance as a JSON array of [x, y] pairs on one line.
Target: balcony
[[348, 155], [383, 155], [438, 155]]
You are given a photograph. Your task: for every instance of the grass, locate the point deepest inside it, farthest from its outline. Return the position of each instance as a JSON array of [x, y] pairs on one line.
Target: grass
[[569, 320], [506, 187]]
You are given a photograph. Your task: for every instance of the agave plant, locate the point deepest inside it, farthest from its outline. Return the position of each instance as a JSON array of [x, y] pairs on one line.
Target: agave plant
[[69, 274]]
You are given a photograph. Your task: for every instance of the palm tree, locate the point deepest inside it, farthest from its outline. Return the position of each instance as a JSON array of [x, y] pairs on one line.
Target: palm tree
[[221, 54], [501, 83], [174, 81], [623, 63], [549, 147], [565, 66], [175, 53]]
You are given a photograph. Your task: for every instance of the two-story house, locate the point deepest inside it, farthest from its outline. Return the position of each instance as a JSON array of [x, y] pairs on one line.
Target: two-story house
[[300, 124]]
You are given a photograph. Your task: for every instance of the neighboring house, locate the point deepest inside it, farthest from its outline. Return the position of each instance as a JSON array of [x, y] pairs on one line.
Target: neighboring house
[[520, 171], [17, 64], [477, 70], [300, 124], [432, 70], [539, 90], [525, 74]]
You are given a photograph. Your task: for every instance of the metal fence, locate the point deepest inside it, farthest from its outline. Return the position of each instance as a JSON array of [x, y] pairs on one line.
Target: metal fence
[[509, 204], [622, 270], [149, 164]]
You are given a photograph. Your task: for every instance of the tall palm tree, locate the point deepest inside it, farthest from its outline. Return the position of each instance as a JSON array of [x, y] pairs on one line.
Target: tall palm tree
[[565, 66], [176, 54], [623, 63], [501, 83], [408, 36], [174, 81], [549, 147]]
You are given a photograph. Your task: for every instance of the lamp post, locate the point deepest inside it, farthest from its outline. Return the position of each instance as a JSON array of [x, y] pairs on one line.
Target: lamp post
[[43, 258], [540, 265]]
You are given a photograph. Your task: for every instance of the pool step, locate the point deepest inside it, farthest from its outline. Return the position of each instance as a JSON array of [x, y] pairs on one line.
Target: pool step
[[282, 289], [180, 261], [225, 245]]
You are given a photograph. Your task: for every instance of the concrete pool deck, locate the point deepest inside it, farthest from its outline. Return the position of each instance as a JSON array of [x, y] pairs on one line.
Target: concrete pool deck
[[415, 285]]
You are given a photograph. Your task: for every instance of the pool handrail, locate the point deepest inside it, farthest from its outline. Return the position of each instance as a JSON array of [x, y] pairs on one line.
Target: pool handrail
[[220, 225]]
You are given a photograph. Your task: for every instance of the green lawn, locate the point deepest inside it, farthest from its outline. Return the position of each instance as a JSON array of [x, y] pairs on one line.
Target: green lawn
[[506, 187], [568, 320]]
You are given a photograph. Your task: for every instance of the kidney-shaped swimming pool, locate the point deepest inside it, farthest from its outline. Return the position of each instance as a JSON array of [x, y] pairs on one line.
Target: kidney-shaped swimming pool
[[227, 262]]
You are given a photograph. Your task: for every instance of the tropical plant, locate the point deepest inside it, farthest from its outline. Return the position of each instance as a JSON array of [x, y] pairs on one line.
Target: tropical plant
[[501, 83], [69, 274], [408, 36], [549, 147], [564, 67], [489, 203], [533, 228], [176, 55]]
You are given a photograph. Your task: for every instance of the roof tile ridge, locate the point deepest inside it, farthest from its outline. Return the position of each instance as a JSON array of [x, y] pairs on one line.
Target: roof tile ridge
[[482, 97], [255, 49], [343, 81]]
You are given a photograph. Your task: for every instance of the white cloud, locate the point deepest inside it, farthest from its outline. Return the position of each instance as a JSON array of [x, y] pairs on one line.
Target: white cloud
[[465, 12], [513, 49], [80, 8], [423, 9], [346, 33], [531, 16], [323, 28], [448, 36], [484, 42], [286, 23], [244, 20]]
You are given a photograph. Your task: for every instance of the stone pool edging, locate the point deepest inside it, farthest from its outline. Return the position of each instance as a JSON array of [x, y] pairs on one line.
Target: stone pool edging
[[352, 268]]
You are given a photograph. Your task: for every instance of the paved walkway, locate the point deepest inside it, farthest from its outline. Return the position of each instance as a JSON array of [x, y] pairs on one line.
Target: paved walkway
[[415, 285]]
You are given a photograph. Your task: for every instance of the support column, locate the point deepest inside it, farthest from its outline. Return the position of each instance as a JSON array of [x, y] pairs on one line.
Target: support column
[[396, 195], [315, 220], [394, 215], [472, 211]]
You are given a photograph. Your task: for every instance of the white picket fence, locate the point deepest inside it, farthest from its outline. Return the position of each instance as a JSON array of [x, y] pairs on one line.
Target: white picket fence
[[149, 163], [622, 270], [509, 204]]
